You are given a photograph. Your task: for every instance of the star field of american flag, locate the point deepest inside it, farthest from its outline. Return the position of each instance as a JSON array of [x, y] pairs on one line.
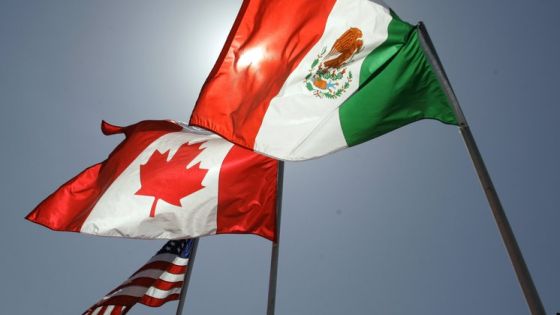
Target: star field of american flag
[[181, 248], [160, 280]]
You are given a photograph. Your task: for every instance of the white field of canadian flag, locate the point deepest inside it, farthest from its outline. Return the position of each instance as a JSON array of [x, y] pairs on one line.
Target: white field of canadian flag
[[166, 181]]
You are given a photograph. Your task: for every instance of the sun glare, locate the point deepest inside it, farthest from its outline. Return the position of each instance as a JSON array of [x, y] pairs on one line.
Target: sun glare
[[252, 57]]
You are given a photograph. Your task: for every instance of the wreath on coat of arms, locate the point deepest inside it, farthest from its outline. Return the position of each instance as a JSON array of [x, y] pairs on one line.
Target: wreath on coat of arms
[[328, 76], [325, 82]]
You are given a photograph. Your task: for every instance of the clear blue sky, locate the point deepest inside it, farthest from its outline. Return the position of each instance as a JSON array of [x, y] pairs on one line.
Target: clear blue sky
[[398, 225]]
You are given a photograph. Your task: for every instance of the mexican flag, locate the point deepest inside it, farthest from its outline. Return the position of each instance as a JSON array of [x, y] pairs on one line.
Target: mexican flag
[[299, 79], [167, 181]]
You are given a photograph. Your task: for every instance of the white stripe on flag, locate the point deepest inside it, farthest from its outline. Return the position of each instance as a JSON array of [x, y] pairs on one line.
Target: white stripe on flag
[[161, 294], [159, 274], [107, 311], [138, 291]]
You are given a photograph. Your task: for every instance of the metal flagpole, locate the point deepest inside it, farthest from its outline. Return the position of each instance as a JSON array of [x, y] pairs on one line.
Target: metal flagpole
[[521, 270], [275, 245], [190, 266]]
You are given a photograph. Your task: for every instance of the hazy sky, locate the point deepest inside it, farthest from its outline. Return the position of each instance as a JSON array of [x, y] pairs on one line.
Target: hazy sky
[[398, 225]]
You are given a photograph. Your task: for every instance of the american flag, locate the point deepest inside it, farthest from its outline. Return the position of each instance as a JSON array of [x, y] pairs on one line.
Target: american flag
[[160, 280]]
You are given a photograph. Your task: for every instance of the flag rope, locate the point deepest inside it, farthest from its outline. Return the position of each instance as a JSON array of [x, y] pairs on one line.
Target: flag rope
[[523, 276]]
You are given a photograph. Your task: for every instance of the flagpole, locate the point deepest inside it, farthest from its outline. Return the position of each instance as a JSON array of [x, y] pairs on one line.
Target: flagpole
[[185, 287], [276, 244], [515, 255]]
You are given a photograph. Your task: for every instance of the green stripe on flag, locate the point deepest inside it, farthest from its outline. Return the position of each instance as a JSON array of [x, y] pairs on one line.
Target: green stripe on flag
[[397, 87], [398, 33]]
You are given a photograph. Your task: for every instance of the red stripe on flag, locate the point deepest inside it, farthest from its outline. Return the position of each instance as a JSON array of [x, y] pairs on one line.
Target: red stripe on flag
[[151, 282], [129, 301], [247, 205], [155, 302], [125, 300], [166, 285], [268, 41], [136, 290], [68, 207], [164, 265], [117, 310]]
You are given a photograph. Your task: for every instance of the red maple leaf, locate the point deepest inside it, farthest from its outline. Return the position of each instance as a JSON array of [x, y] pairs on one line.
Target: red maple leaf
[[171, 180]]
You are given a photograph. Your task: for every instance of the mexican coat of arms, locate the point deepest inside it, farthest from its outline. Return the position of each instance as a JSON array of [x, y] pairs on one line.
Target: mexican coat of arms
[[329, 76]]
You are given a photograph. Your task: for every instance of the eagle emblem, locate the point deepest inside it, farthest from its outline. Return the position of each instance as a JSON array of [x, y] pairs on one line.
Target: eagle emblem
[[328, 76]]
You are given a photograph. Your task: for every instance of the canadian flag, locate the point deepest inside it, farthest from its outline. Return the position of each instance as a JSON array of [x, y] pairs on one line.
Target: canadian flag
[[167, 181]]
